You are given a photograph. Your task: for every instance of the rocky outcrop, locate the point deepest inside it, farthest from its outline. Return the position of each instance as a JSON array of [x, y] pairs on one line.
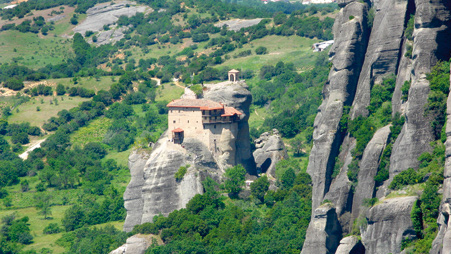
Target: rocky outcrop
[[153, 189], [442, 243], [347, 58], [237, 24], [340, 193], [270, 150], [431, 43], [383, 52], [237, 95], [133, 201], [324, 231], [160, 193], [404, 74], [368, 169], [388, 224], [136, 244], [350, 245], [105, 15]]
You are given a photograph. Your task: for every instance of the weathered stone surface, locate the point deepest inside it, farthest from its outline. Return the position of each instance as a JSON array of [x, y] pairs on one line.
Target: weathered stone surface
[[347, 57], [133, 202], [237, 24], [270, 150], [237, 95], [404, 74], [340, 189], [350, 245], [383, 52], [136, 244], [368, 168], [106, 14], [388, 224], [161, 192], [110, 36], [324, 231], [431, 43]]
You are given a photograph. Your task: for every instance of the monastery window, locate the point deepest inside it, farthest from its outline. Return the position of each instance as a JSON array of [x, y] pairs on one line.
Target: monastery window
[[215, 126], [173, 121], [188, 121]]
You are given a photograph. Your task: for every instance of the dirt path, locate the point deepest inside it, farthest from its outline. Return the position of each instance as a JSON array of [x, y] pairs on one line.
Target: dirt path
[[177, 84], [32, 146]]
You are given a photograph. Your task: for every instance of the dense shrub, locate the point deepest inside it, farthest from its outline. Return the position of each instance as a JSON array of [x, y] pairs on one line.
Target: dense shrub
[[406, 177], [261, 50]]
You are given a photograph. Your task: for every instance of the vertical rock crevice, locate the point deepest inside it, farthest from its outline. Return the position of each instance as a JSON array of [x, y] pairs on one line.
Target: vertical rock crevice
[[430, 35], [350, 30]]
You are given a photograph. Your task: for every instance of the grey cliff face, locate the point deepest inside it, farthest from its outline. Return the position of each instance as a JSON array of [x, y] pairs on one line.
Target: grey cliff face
[[381, 59], [324, 231], [136, 244], [133, 196], [379, 52], [431, 34], [348, 55], [366, 188], [340, 189], [350, 245], [270, 150], [388, 224]]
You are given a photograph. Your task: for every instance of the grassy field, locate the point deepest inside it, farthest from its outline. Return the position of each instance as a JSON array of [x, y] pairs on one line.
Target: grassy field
[[94, 132], [257, 117], [31, 50], [293, 49], [120, 157], [168, 92], [28, 111], [37, 225], [103, 83]]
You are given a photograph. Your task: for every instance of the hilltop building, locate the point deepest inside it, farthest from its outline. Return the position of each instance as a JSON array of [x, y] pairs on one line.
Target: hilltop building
[[234, 75], [201, 119]]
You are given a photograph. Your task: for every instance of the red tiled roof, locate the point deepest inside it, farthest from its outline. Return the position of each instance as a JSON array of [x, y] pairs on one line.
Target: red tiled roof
[[178, 130], [229, 111], [195, 103]]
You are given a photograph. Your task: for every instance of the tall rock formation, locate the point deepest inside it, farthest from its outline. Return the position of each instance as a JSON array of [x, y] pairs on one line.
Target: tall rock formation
[[153, 189], [431, 44], [361, 58], [351, 38]]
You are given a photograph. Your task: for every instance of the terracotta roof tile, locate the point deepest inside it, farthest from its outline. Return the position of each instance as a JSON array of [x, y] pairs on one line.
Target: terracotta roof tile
[[178, 130], [229, 111]]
